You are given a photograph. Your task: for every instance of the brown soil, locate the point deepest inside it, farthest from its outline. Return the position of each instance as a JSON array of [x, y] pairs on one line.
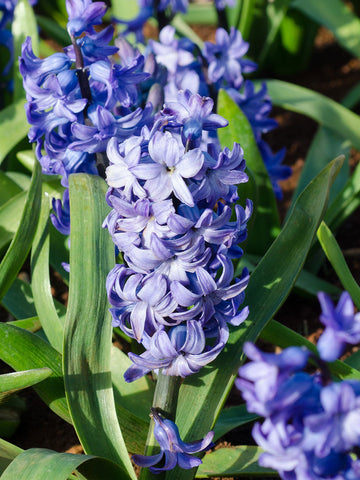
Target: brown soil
[[332, 72]]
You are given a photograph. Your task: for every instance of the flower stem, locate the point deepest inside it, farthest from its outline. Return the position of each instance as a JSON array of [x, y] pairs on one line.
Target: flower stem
[[165, 402]]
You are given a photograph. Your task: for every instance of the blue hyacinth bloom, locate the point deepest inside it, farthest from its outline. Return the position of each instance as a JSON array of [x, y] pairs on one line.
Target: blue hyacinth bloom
[[172, 449]]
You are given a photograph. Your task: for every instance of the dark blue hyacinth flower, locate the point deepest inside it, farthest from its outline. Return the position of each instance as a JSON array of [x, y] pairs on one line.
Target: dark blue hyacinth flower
[[173, 451]]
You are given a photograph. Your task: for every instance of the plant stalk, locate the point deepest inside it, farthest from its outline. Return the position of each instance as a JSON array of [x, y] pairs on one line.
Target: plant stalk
[[165, 402]]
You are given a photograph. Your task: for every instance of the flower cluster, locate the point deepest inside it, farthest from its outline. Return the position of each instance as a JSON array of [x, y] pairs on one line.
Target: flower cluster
[[175, 451], [80, 98], [171, 218], [311, 429], [221, 65]]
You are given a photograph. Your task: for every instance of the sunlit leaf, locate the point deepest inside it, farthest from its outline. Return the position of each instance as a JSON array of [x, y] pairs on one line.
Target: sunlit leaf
[[88, 330]]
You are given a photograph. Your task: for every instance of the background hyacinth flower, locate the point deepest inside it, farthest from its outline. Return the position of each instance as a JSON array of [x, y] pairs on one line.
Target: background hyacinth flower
[[219, 65], [175, 451], [311, 428], [78, 100]]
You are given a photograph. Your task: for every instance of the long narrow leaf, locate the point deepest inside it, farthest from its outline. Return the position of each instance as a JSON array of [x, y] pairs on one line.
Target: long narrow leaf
[[338, 18], [346, 202], [12, 382], [336, 258], [7, 454], [21, 243], [13, 127], [40, 280], [8, 188], [266, 222], [325, 145], [232, 417], [43, 464], [10, 216], [23, 350], [88, 329], [233, 461], [320, 108], [202, 396], [23, 25]]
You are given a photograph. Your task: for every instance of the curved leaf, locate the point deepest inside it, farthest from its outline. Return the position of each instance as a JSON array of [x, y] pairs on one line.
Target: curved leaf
[[233, 461], [337, 17], [13, 127], [88, 329], [42, 464], [23, 25], [23, 350], [21, 243], [320, 108], [10, 216], [7, 454], [12, 382], [266, 218], [202, 395], [40, 280], [336, 258]]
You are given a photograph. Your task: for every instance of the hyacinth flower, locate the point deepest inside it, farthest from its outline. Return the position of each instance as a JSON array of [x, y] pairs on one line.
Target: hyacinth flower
[[220, 65], [173, 451], [79, 99], [177, 238], [311, 427]]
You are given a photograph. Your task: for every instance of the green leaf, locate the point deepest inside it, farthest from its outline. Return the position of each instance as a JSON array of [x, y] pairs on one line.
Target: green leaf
[[12, 382], [8, 189], [132, 402], [19, 300], [125, 9], [59, 252], [23, 350], [200, 13], [23, 25], [27, 159], [338, 18], [21, 243], [233, 461], [40, 280], [346, 202], [13, 127], [230, 418], [88, 329], [183, 28], [275, 12], [307, 283], [266, 224], [22, 180], [10, 216], [42, 464], [325, 145], [202, 395], [336, 258], [54, 30], [316, 106], [31, 324], [7, 454]]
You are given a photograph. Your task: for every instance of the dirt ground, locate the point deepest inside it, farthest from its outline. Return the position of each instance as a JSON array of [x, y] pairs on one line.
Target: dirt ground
[[332, 72]]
